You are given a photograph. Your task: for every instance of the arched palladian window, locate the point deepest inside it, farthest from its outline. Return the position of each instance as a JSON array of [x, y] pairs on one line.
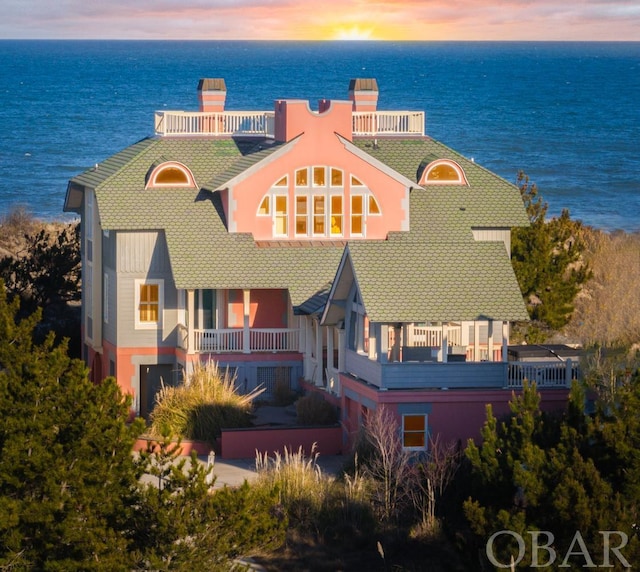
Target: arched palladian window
[[443, 172], [170, 174], [319, 204]]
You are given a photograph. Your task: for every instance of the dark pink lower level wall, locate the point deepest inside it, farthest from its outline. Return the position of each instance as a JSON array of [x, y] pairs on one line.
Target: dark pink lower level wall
[[244, 443], [454, 415], [186, 447]]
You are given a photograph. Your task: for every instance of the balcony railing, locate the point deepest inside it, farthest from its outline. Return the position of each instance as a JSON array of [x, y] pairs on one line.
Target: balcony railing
[[438, 375], [238, 123], [547, 374], [262, 123], [431, 336], [235, 340], [388, 123]]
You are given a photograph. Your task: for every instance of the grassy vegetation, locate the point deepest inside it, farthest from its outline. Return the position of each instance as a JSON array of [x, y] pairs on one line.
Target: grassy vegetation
[[607, 310], [202, 406], [338, 523]]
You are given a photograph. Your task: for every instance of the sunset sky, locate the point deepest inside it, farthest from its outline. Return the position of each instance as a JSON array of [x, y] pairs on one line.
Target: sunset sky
[[323, 20]]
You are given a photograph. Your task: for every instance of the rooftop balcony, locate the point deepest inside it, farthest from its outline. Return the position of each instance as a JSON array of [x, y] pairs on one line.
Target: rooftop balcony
[[262, 123]]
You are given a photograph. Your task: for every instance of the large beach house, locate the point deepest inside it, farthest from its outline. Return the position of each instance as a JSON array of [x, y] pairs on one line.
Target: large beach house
[[341, 249]]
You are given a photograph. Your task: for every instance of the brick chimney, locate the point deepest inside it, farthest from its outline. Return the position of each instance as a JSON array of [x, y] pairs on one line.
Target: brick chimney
[[212, 93], [364, 94]]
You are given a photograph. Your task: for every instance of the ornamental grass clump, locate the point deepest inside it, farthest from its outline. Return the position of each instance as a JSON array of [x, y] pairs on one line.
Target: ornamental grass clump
[[335, 510], [199, 408]]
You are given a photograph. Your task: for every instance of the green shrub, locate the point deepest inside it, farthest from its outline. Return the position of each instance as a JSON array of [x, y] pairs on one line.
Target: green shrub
[[313, 409], [201, 407]]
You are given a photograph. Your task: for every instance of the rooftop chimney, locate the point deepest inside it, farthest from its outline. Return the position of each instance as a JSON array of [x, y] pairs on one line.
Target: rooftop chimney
[[364, 94], [212, 93]]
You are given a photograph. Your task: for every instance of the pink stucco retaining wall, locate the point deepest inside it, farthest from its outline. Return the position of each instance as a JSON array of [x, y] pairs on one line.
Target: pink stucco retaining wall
[[200, 447], [243, 443]]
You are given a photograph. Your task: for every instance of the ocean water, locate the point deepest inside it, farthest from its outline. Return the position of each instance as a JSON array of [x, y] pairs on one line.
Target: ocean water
[[568, 114]]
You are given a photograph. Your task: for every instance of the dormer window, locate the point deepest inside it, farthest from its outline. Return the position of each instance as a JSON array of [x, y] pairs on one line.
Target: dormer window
[[443, 172], [170, 174]]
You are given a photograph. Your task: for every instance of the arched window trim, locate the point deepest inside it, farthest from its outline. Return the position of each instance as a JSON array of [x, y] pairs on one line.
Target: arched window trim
[[319, 213], [157, 171], [462, 178]]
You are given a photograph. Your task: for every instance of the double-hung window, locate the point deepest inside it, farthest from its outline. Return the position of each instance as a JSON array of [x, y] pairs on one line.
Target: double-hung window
[[149, 303], [414, 432]]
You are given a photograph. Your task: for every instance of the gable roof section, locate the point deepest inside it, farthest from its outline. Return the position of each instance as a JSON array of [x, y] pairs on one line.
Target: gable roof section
[[403, 281]]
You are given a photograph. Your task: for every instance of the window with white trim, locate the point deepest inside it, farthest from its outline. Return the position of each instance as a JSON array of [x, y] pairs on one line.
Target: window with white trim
[[170, 174], [414, 432], [280, 216], [320, 202], [443, 172], [149, 301]]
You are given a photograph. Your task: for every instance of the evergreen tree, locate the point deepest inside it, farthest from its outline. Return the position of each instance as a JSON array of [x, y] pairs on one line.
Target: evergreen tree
[[181, 524], [546, 258], [534, 472], [71, 496], [67, 478]]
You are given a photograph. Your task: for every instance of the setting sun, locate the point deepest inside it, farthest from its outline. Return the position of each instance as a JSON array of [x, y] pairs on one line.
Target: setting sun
[[354, 32]]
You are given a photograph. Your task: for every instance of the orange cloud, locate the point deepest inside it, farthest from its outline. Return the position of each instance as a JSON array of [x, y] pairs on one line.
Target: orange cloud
[[329, 20]]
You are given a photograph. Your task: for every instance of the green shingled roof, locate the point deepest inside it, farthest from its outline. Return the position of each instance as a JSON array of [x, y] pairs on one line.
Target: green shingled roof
[[436, 271], [412, 281], [489, 200]]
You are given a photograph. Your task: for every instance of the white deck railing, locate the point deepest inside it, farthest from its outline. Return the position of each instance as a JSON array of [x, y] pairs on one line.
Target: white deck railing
[[431, 336], [189, 123], [262, 123], [388, 122], [544, 374], [233, 340], [268, 340]]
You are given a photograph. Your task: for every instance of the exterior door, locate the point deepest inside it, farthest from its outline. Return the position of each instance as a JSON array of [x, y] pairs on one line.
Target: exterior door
[[151, 379]]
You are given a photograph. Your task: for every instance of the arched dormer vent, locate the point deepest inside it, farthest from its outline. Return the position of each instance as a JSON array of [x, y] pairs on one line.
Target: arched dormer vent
[[443, 172], [170, 174]]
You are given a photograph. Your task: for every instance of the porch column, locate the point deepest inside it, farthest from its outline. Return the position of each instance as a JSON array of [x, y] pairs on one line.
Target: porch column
[[505, 340], [308, 348], [476, 340], [384, 343], [191, 311], [246, 338], [373, 340], [320, 369], [490, 341], [330, 333], [397, 342], [444, 343], [342, 335]]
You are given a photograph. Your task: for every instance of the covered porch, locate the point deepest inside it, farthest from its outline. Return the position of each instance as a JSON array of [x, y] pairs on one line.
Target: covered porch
[[237, 321]]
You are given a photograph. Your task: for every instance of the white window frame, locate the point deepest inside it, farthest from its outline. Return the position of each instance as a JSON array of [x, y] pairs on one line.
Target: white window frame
[[426, 431], [462, 178], [140, 325], [306, 216], [276, 215]]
